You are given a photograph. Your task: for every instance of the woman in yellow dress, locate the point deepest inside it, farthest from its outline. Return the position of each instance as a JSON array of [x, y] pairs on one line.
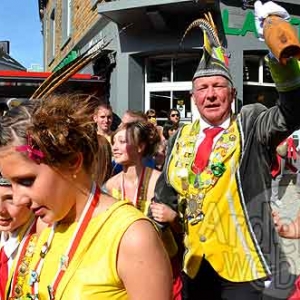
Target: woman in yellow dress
[[131, 142], [94, 247]]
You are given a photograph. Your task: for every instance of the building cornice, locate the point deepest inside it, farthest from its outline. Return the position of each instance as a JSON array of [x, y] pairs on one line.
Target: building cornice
[[42, 5]]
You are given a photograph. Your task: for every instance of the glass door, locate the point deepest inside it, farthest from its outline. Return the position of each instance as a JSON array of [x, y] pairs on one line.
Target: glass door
[[168, 85], [162, 100]]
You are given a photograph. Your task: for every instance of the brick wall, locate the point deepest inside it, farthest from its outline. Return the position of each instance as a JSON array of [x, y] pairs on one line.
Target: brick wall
[[83, 18]]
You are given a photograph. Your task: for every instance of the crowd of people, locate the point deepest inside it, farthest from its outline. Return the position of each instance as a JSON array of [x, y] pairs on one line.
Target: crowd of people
[[93, 209]]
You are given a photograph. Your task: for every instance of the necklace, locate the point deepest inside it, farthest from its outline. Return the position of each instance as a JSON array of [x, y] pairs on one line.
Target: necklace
[[25, 252], [193, 188], [69, 253], [138, 191]]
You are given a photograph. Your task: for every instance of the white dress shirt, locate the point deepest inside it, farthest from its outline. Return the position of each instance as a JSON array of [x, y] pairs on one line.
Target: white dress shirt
[[204, 125]]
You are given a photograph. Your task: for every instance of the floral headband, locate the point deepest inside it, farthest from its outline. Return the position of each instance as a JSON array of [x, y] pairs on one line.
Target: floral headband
[[34, 154]]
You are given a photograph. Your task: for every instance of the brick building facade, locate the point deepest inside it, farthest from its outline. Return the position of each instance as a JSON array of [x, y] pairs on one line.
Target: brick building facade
[[152, 69]]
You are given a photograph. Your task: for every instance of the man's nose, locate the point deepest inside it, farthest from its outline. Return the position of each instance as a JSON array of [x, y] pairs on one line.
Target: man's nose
[[211, 93]]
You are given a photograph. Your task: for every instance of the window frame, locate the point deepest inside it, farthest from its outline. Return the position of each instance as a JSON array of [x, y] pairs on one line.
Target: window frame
[[67, 16], [52, 36]]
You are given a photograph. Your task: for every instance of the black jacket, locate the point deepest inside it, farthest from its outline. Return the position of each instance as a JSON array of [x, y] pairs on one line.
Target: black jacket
[[261, 130]]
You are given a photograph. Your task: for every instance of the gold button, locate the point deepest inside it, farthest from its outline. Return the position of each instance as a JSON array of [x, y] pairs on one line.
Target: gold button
[[202, 238]]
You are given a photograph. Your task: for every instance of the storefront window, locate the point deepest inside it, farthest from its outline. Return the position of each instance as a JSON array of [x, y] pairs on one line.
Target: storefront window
[[258, 83], [168, 69], [251, 67], [184, 68], [168, 81], [159, 70], [265, 95], [256, 69], [181, 101], [266, 73], [161, 102]]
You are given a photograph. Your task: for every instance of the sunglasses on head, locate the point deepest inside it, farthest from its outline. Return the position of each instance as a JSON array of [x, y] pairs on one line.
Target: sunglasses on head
[[174, 115]]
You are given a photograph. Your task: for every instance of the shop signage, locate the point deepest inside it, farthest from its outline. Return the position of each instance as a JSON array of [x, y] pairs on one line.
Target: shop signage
[[248, 24], [70, 57]]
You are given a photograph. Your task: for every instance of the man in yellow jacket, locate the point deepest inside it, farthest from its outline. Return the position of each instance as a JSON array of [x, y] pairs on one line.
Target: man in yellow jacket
[[217, 177]]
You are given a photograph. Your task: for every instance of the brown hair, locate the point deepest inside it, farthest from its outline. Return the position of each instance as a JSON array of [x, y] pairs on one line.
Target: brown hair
[[137, 115], [104, 171], [14, 124], [102, 104], [150, 111], [60, 126], [141, 133]]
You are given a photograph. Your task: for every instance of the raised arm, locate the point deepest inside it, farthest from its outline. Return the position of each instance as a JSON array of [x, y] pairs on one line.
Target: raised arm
[[279, 122]]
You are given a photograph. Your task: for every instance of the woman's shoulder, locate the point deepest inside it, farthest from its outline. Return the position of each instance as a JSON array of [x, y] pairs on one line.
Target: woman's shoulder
[[113, 182], [139, 234], [106, 201], [109, 205]]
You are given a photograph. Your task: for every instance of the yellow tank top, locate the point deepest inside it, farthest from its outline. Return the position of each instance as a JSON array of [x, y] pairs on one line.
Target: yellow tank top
[[143, 203], [92, 273]]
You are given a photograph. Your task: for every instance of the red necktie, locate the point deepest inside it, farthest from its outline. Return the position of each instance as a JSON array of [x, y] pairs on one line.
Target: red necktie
[[3, 272], [204, 149]]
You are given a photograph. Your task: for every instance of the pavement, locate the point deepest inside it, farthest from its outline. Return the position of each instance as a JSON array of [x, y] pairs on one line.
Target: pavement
[[288, 210]]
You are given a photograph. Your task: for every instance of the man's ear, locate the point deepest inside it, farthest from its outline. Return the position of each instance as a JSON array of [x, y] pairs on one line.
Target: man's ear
[[95, 118], [234, 94], [193, 98]]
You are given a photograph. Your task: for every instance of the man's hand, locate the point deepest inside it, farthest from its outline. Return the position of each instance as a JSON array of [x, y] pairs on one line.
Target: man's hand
[[279, 226], [289, 231], [262, 11]]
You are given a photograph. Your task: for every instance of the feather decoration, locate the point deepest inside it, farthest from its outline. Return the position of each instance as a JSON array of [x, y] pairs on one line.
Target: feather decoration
[[210, 33], [66, 72], [214, 60]]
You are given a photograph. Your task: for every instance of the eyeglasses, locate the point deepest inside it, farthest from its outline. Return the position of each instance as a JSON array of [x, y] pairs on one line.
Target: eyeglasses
[[150, 117], [174, 115]]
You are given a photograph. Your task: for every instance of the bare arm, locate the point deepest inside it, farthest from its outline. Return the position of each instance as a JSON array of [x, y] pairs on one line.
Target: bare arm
[[143, 264]]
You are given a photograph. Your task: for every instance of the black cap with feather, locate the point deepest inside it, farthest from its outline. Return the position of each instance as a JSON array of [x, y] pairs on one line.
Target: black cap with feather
[[214, 60]]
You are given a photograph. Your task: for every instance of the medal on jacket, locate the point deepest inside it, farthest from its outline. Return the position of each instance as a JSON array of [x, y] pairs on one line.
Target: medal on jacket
[[194, 209], [194, 187]]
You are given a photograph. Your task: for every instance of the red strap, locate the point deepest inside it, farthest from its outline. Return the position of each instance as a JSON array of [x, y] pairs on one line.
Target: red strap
[[79, 235], [3, 272]]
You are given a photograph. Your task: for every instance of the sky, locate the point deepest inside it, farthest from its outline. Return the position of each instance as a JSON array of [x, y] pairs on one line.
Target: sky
[[20, 24]]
